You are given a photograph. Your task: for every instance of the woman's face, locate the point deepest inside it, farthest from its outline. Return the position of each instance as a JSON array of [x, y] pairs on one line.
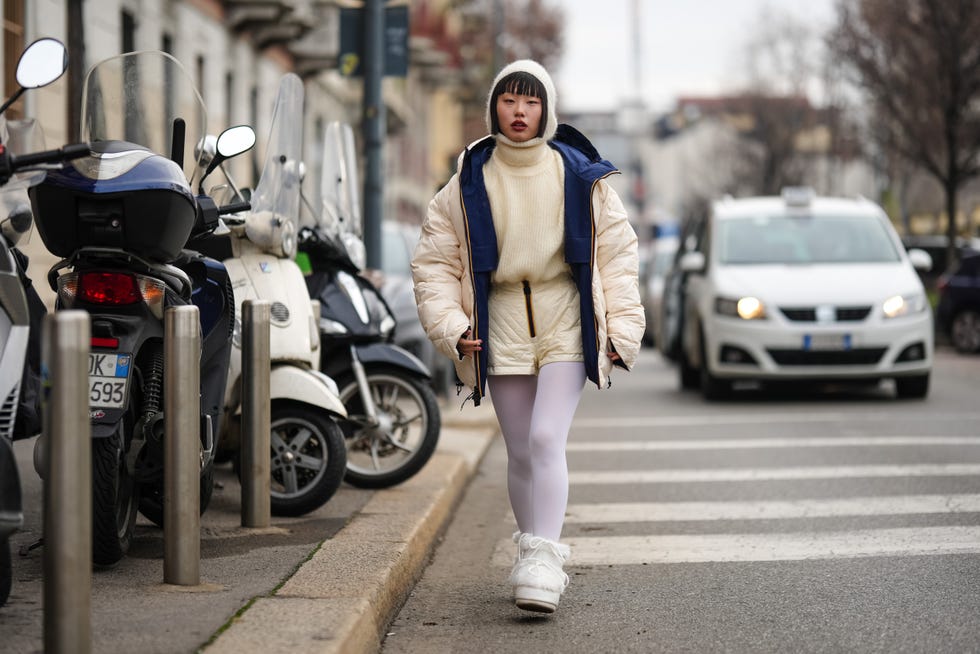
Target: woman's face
[[519, 116]]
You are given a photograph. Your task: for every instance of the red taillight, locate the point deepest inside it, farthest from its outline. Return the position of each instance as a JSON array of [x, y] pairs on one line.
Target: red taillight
[[109, 288], [111, 343]]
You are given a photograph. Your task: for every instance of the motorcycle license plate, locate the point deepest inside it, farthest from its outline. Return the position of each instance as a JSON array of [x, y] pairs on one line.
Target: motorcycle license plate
[[108, 379]]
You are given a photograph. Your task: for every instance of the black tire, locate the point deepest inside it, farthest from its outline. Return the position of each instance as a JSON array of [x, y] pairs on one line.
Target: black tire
[[687, 375], [151, 496], [403, 442], [6, 571], [308, 458], [912, 388], [964, 332], [712, 387], [115, 498]]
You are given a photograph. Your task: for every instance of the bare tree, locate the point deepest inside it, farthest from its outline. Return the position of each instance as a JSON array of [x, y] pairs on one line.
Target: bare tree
[[506, 30], [781, 65], [918, 63]]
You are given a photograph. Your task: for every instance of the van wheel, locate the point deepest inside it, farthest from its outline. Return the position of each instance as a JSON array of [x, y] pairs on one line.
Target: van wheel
[[712, 388], [687, 374], [912, 387], [965, 332]]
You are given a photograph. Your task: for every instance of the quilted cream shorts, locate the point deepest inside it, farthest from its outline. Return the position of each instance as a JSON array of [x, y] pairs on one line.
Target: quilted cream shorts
[[532, 324]]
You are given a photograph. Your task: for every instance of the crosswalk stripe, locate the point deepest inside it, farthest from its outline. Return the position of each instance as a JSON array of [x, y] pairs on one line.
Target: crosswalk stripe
[[771, 474], [637, 550], [756, 443], [753, 418], [770, 510]]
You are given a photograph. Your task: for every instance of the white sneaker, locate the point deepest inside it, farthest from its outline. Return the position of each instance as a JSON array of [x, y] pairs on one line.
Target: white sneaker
[[538, 578], [521, 539]]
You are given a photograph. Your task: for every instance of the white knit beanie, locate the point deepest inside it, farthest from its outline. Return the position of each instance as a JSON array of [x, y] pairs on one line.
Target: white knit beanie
[[537, 70]]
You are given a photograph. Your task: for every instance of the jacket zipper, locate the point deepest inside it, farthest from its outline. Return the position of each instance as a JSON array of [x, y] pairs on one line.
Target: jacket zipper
[[476, 394], [529, 307]]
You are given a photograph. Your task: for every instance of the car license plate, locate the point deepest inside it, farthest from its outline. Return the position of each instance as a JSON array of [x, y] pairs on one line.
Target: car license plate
[[108, 379], [827, 342]]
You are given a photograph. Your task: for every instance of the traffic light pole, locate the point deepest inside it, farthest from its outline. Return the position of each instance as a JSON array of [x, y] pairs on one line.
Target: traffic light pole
[[374, 125]]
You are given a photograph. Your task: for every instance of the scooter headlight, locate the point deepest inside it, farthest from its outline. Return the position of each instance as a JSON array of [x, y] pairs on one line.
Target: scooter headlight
[[387, 325], [353, 291], [236, 333], [332, 327]]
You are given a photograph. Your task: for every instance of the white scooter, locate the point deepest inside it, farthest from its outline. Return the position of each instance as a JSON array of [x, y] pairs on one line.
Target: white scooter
[[308, 450]]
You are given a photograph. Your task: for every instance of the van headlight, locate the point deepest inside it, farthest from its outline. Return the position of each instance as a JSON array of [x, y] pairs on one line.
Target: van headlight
[[903, 305], [746, 308]]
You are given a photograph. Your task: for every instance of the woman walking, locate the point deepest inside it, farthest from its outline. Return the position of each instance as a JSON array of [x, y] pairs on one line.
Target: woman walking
[[526, 274]]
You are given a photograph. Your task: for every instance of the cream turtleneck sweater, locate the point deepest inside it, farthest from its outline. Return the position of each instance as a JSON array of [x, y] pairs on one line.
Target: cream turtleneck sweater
[[525, 184]]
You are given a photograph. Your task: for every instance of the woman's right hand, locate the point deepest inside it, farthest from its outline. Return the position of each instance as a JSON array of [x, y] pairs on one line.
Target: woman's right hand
[[467, 346]]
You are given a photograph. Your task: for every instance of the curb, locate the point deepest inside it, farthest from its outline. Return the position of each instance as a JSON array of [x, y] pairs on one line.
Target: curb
[[346, 594]]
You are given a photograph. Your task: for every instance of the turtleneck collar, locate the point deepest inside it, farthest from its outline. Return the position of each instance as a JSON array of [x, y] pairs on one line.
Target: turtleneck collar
[[526, 153]]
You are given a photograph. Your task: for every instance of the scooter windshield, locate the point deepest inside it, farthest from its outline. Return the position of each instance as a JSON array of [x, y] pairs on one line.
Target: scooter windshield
[[340, 210], [136, 97], [272, 223]]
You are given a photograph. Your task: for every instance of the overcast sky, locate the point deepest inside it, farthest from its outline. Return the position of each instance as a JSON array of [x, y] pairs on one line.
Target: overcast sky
[[688, 47]]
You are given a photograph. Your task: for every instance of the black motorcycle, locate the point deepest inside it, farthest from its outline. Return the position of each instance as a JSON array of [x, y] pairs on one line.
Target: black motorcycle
[[120, 218], [393, 422]]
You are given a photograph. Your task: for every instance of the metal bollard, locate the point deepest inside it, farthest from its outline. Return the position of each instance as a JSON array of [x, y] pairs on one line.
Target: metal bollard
[[182, 446], [67, 485], [256, 414]]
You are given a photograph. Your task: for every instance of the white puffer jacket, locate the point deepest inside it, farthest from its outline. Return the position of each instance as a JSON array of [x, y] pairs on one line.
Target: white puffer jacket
[[441, 269]]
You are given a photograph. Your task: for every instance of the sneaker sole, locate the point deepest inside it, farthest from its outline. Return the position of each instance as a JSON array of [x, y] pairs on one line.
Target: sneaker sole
[[535, 599]]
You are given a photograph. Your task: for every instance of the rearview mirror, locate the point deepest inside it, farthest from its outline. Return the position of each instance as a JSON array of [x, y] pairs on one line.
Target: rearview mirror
[[42, 62], [235, 140], [920, 259], [231, 143], [692, 262]]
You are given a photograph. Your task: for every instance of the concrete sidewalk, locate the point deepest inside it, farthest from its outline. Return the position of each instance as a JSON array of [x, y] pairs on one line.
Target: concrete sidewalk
[[344, 596]]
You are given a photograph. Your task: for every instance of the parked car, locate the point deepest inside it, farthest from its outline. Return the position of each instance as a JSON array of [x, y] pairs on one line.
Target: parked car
[[799, 287], [958, 310], [657, 262], [397, 245]]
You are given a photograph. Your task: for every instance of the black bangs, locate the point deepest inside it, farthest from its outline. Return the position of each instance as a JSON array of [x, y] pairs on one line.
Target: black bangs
[[519, 83]]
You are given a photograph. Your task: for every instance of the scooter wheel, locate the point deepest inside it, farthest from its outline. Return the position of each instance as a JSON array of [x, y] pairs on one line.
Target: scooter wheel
[[308, 458], [151, 496], [406, 434], [115, 498]]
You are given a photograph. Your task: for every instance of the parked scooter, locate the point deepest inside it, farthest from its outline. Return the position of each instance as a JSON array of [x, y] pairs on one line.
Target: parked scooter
[[308, 451], [21, 310], [393, 417], [120, 218]]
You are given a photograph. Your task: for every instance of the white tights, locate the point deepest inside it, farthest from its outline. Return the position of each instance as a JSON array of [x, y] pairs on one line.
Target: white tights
[[535, 414]]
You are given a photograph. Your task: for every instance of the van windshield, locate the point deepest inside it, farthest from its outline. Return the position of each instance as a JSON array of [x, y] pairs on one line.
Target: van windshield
[[782, 239]]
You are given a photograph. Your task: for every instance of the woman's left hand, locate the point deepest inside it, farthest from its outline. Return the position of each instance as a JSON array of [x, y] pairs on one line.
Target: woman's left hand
[[613, 356]]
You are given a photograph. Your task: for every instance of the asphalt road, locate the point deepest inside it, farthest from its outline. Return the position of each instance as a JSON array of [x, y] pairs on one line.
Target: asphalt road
[[844, 521]]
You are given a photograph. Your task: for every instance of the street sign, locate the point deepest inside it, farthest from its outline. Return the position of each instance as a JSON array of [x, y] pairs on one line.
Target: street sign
[[351, 57]]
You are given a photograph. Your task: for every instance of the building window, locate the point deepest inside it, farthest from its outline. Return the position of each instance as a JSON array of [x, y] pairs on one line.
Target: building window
[[13, 46], [229, 98], [201, 88]]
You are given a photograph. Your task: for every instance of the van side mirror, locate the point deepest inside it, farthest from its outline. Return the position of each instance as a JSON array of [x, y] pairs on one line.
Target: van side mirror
[[692, 262]]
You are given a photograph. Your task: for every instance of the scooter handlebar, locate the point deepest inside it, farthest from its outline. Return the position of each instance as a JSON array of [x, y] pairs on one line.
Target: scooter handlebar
[[67, 153], [235, 207]]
